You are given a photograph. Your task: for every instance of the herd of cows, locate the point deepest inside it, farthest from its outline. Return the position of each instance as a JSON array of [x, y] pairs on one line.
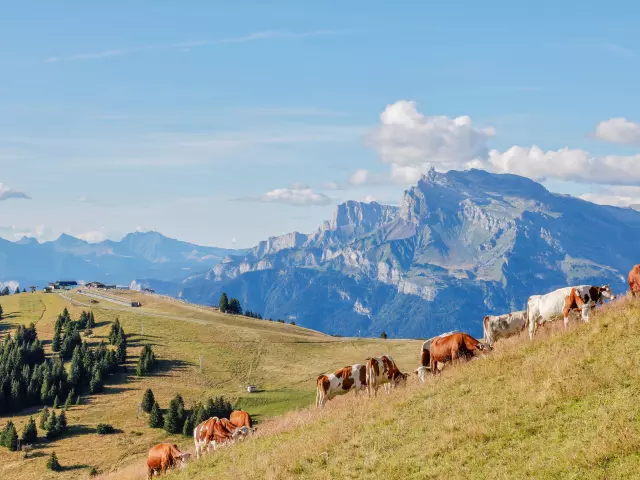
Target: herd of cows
[[383, 372]]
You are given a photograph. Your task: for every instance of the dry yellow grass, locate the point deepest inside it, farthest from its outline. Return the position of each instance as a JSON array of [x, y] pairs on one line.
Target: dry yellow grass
[[283, 360], [562, 407]]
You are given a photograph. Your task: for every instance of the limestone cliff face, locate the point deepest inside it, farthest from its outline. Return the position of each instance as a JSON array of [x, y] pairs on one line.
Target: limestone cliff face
[[462, 244]]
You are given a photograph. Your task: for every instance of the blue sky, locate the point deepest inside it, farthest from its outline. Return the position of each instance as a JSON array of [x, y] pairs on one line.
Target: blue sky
[[223, 124]]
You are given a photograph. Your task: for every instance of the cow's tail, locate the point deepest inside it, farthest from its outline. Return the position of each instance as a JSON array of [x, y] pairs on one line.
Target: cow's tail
[[320, 392]]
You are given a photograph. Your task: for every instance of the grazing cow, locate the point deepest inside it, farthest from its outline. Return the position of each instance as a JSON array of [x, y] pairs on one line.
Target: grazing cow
[[634, 281], [544, 308], [338, 383], [216, 431], [240, 419], [163, 456], [425, 359], [503, 326], [383, 371], [454, 347], [421, 371]]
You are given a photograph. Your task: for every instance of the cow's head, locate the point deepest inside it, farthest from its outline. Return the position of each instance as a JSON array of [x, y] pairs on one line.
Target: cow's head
[[605, 291], [184, 458], [400, 378], [484, 347], [240, 433], [421, 372]]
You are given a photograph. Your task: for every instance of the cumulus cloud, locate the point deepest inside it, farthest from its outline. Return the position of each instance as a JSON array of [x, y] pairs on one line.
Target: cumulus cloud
[[408, 138], [618, 196], [332, 186], [302, 196], [619, 130], [412, 143], [7, 193], [567, 164]]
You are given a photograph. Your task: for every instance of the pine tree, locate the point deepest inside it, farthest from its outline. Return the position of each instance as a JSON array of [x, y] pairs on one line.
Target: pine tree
[[52, 463], [30, 432], [52, 427], [5, 291], [11, 437], [96, 385], [44, 418], [91, 321], [62, 421], [147, 401], [56, 401], [223, 305], [234, 307], [155, 419], [187, 429], [56, 343], [383, 335], [67, 403], [115, 330], [17, 292], [173, 420], [1, 312]]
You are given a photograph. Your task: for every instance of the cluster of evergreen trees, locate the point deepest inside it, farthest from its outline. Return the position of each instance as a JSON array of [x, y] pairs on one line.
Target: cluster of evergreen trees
[[9, 435], [27, 379], [5, 291], [66, 332], [229, 306], [54, 425], [146, 361], [251, 314], [178, 419]]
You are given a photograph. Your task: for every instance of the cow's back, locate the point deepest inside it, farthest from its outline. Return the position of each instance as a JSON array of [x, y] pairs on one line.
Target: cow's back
[[240, 418]]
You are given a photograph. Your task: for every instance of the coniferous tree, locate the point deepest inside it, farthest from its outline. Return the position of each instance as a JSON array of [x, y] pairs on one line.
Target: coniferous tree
[[52, 463], [1, 312], [155, 419], [114, 332], [234, 307], [70, 397], [56, 342], [5, 291], [96, 384], [17, 292], [173, 420], [52, 426], [146, 361], [187, 429], [147, 401], [10, 436], [62, 421], [30, 432], [223, 305], [91, 321], [44, 418]]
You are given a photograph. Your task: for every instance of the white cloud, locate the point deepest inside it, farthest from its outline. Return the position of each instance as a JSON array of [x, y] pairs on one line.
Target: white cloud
[[408, 138], [94, 236], [7, 193], [618, 196], [299, 197], [567, 164], [369, 199], [186, 45], [332, 186], [619, 130]]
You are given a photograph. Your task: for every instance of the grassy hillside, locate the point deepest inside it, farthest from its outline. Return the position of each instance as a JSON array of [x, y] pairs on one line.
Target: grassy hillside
[[283, 360], [564, 406]]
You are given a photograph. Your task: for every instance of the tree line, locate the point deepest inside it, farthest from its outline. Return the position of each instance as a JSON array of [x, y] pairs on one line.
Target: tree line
[[5, 291], [233, 306]]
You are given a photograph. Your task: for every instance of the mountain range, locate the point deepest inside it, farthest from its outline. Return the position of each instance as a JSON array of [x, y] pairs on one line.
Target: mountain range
[[139, 254], [461, 245]]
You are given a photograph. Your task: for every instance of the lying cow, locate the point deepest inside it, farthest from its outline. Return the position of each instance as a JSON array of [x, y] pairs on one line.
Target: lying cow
[[164, 456], [457, 346], [240, 418], [352, 377], [544, 308], [503, 326], [214, 432], [383, 372], [634, 281]]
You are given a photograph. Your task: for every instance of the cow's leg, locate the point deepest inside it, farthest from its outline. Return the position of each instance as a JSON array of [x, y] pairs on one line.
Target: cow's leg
[[149, 473], [532, 327]]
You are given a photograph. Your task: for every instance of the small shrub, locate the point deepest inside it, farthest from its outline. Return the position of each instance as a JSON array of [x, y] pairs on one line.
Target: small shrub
[[105, 429], [53, 464], [93, 471]]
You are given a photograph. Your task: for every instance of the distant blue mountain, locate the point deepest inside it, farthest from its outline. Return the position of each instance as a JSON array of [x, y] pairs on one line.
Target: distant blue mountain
[[462, 245], [137, 255]]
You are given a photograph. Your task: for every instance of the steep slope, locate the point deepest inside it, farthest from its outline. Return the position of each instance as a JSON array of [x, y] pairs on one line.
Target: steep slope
[[137, 255], [463, 244], [564, 406], [283, 360]]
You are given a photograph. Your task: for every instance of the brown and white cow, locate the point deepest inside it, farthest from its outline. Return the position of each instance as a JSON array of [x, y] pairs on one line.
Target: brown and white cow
[[383, 371], [585, 298], [458, 346], [164, 456], [352, 377], [503, 326], [425, 359], [240, 418], [634, 281], [214, 432]]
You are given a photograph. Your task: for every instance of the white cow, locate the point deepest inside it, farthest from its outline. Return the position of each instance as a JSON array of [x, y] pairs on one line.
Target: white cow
[[503, 326], [543, 308]]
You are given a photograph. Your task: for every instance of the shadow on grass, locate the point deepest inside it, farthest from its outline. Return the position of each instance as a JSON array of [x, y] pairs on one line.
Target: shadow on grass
[[71, 468], [76, 430]]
